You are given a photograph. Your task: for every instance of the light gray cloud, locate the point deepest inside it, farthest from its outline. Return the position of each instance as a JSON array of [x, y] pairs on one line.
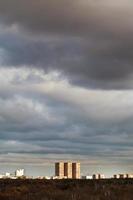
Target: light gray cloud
[[52, 117]]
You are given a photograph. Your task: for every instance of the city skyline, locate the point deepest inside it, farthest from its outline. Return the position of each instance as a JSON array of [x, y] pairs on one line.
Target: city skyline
[[66, 85], [64, 170]]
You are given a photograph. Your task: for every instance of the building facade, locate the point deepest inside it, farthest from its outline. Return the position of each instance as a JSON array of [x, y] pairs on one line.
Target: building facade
[[76, 170], [59, 170], [68, 169]]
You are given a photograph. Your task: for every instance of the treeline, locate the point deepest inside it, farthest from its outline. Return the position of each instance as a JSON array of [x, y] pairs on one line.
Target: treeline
[[111, 189]]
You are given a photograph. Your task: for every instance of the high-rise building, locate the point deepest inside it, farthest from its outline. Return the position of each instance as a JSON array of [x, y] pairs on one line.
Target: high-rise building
[[59, 169], [68, 169], [76, 170]]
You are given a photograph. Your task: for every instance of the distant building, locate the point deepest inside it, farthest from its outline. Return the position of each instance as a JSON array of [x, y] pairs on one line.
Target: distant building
[[67, 170], [122, 176], [130, 175], [1, 176], [115, 176], [98, 176], [47, 177], [76, 170], [19, 172], [87, 177], [7, 174], [59, 170]]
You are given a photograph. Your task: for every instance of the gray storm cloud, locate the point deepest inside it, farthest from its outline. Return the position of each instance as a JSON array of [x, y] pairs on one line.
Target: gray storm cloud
[[102, 54], [49, 118], [68, 16]]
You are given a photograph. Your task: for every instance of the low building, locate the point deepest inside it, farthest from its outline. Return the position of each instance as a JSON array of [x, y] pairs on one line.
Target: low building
[[87, 177], [19, 172], [7, 174], [122, 176], [98, 176], [1, 176]]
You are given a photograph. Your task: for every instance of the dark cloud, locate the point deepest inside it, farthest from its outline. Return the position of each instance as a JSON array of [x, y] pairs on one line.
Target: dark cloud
[[106, 65], [68, 16], [91, 41], [49, 16]]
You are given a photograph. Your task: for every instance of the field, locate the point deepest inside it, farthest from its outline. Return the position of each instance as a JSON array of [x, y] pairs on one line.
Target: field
[[66, 189]]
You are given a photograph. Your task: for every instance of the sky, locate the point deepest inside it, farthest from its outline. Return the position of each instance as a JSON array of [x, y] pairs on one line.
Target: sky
[[66, 85]]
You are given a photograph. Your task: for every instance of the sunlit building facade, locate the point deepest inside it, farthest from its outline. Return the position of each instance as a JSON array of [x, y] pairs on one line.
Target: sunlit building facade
[[76, 170], [68, 169]]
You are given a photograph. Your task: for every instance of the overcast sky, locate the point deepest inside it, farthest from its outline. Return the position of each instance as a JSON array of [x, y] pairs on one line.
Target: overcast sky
[[66, 85]]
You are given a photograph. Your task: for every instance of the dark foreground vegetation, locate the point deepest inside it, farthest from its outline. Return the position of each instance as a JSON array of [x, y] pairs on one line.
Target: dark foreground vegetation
[[66, 189]]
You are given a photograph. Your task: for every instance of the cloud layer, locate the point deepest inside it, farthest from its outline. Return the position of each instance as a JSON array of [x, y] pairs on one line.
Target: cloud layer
[[91, 40], [47, 117]]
